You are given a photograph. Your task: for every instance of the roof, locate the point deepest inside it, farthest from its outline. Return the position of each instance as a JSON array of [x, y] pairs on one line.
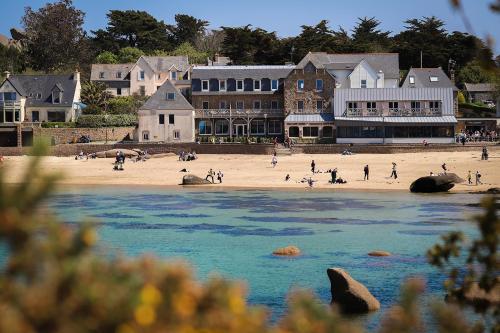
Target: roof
[[388, 63], [309, 118], [479, 87], [241, 72], [32, 85], [109, 71], [163, 64], [158, 101], [422, 78], [391, 120]]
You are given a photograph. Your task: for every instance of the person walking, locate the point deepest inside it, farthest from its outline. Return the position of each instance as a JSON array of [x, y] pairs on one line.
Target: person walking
[[313, 166], [478, 178], [334, 175], [469, 177], [274, 160], [444, 168], [219, 176], [210, 174], [484, 155], [367, 171], [394, 171]]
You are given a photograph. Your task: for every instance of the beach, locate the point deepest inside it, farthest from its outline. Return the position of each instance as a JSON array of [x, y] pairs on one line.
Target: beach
[[256, 171]]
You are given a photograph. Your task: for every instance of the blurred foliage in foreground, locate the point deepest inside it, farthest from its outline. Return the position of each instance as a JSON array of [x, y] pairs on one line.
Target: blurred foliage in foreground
[[54, 280]]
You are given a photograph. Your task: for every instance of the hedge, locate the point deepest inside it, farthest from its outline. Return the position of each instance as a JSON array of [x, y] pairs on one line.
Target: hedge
[[470, 110], [58, 125], [113, 120]]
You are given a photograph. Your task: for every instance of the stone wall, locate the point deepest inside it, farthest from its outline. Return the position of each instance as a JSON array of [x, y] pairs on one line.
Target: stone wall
[[69, 135]]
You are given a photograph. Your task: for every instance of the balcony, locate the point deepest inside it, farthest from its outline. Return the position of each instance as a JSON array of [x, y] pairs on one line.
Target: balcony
[[234, 113], [393, 112]]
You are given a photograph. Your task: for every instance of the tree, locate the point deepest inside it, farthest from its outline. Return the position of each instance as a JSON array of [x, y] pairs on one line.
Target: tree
[[474, 73], [210, 42], [11, 60], [106, 57], [129, 55], [94, 94], [366, 37], [187, 29], [54, 36], [194, 56], [319, 38]]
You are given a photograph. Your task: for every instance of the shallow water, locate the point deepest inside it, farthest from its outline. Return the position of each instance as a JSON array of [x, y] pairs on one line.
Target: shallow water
[[234, 233]]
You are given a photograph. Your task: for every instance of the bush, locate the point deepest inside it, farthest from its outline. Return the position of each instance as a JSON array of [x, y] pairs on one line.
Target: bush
[[113, 120], [125, 104], [471, 110], [59, 125], [461, 97], [92, 109]]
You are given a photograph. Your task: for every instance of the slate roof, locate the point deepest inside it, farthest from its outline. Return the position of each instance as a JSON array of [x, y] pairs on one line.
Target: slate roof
[[159, 101], [163, 64], [388, 63], [422, 78], [241, 72], [309, 118], [479, 87], [110, 71], [32, 85]]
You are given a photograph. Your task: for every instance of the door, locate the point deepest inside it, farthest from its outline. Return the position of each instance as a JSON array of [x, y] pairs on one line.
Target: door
[[240, 129]]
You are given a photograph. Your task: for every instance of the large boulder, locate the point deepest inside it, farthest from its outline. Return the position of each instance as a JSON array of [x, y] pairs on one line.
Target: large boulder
[[194, 180], [379, 253], [431, 184], [112, 153], [287, 251], [350, 295]]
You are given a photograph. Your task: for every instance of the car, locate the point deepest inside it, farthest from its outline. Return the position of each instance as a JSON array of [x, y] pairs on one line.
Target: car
[[489, 104]]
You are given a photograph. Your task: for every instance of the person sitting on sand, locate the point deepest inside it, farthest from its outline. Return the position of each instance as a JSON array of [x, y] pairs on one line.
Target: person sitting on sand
[[431, 174], [210, 174]]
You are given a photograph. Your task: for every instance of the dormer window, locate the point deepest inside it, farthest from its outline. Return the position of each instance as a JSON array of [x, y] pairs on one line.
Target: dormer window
[[274, 85], [256, 85], [363, 83], [101, 75], [118, 75], [433, 78], [170, 96], [239, 85], [222, 85], [412, 79], [56, 97], [204, 85], [173, 75]]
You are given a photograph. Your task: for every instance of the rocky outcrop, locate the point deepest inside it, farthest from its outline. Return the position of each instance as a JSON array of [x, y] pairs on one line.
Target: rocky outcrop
[[379, 254], [350, 295], [287, 251], [112, 153], [194, 180], [163, 155], [431, 184]]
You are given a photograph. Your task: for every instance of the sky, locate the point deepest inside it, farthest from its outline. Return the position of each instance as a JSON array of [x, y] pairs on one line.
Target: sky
[[283, 16]]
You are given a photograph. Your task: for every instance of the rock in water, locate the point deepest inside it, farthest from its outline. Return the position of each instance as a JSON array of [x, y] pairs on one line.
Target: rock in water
[[287, 251], [194, 180], [379, 254], [350, 295], [431, 184]]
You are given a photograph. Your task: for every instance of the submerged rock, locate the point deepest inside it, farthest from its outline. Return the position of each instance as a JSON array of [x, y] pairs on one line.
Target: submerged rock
[[194, 180], [350, 295], [287, 251], [431, 184], [379, 254]]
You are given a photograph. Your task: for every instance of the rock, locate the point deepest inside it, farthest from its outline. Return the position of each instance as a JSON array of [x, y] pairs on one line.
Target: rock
[[287, 251], [478, 297], [493, 190], [163, 155], [431, 184], [350, 295], [194, 180], [379, 254], [100, 154], [112, 153]]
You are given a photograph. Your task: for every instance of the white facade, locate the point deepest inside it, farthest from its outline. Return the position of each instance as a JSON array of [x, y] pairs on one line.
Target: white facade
[[174, 126]]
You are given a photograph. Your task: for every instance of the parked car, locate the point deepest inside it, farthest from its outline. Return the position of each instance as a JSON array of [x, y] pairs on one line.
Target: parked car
[[489, 104]]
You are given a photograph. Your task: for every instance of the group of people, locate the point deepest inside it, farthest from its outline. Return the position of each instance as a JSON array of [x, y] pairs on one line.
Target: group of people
[[211, 174], [476, 136], [82, 156], [184, 156], [119, 161]]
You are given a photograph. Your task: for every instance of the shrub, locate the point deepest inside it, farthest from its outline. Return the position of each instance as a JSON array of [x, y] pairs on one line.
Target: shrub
[[461, 97], [92, 109], [125, 104], [113, 120], [59, 125]]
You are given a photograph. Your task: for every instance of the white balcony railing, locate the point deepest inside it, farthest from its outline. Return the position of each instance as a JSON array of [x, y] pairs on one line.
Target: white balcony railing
[[393, 112]]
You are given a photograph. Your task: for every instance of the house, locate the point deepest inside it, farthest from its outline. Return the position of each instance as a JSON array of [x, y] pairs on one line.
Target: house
[[166, 117], [471, 118], [480, 92], [145, 76], [310, 88], [239, 101]]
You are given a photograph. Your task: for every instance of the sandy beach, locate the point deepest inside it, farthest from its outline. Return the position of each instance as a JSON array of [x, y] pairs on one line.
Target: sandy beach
[[256, 171]]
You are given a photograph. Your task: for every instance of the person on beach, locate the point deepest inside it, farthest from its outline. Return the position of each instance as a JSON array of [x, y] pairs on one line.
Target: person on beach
[[444, 168], [484, 155], [219, 176], [469, 177], [367, 171], [274, 160], [310, 182], [1, 159], [478, 178], [394, 172], [287, 178], [313, 166], [210, 174], [431, 174], [334, 175]]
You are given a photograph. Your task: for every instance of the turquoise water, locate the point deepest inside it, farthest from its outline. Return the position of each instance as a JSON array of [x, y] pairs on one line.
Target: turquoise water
[[234, 233]]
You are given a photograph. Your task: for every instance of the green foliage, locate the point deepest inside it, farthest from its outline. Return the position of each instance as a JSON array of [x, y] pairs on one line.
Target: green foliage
[[367, 38], [187, 29], [473, 72], [460, 97], [106, 57], [92, 109], [194, 56], [112, 120], [129, 55], [59, 125], [11, 59], [125, 104], [94, 93]]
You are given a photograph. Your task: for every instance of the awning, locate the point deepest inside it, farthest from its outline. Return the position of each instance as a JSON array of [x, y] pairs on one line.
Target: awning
[[309, 118], [399, 120]]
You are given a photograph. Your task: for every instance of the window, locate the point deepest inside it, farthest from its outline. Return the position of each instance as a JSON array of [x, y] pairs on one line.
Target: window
[[240, 105], [142, 75], [205, 127], [415, 105], [221, 127], [142, 90], [310, 132], [239, 85], [118, 75], [393, 106], [328, 132], [274, 85], [274, 127], [56, 116], [300, 105], [319, 105], [363, 83], [56, 97], [293, 132], [256, 85], [10, 96], [38, 96], [170, 96], [256, 105], [101, 75], [412, 79], [352, 105], [161, 119], [371, 105], [205, 105], [433, 78], [274, 105], [223, 105], [434, 105], [145, 135], [35, 116], [173, 76], [300, 85], [222, 85], [119, 91], [257, 127], [319, 85], [171, 119], [204, 85], [177, 134]]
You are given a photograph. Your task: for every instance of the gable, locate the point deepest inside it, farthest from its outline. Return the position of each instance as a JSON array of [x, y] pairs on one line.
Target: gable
[[309, 68]]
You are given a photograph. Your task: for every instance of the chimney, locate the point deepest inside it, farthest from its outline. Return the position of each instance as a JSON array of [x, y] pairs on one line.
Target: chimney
[[7, 74], [76, 76]]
